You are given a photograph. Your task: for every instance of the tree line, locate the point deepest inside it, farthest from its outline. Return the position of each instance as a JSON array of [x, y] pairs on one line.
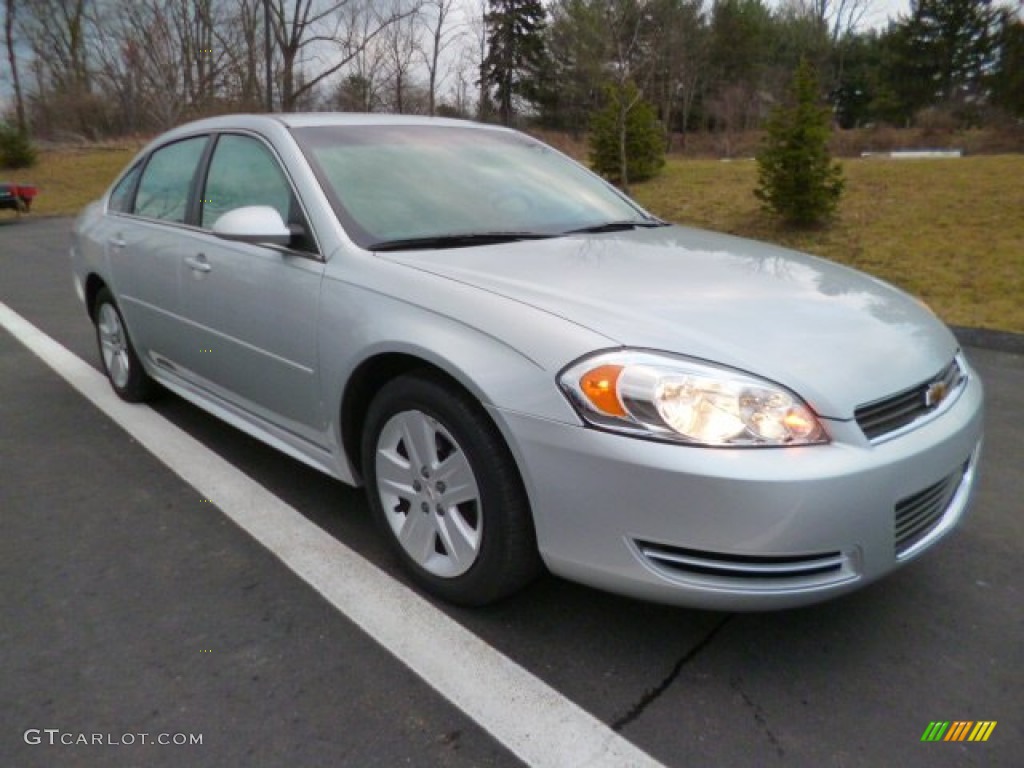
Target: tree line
[[111, 67], [724, 66]]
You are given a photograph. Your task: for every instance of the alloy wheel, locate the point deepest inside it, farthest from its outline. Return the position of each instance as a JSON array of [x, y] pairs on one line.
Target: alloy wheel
[[114, 346], [429, 493]]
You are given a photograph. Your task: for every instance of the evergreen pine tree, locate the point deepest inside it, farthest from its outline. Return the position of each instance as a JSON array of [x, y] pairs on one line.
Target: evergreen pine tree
[[946, 51], [514, 64], [627, 143], [796, 176], [1008, 78], [16, 150]]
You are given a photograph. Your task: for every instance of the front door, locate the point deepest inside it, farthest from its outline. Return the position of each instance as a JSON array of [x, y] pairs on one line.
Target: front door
[[253, 308]]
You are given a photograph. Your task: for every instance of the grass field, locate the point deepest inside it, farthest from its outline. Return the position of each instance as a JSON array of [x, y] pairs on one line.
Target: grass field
[[69, 179], [948, 231]]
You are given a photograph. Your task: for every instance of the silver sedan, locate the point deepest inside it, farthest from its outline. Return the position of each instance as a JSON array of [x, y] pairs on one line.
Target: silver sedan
[[524, 368]]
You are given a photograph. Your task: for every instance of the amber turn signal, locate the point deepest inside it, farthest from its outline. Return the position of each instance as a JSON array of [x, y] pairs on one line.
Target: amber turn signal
[[599, 387]]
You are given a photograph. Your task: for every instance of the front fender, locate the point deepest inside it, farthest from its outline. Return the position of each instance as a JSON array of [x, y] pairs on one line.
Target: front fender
[[504, 353]]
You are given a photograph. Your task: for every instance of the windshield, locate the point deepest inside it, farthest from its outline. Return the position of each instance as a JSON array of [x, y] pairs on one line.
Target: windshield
[[390, 185]]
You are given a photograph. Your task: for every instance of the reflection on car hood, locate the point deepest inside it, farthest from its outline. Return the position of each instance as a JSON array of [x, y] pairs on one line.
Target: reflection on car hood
[[837, 337]]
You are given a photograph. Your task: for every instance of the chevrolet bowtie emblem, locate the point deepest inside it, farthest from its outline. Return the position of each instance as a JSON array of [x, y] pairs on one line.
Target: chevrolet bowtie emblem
[[935, 393]]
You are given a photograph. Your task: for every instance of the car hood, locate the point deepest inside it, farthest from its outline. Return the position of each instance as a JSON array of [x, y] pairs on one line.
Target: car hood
[[835, 336]]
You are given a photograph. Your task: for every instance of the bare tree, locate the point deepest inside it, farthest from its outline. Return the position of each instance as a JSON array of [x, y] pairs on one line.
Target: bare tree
[[680, 49], [140, 57], [115, 49], [840, 17], [440, 35], [165, 60], [322, 35], [12, 57], [361, 89], [736, 107], [193, 24], [57, 35], [401, 43], [240, 39], [627, 22], [467, 74], [837, 22], [478, 51]]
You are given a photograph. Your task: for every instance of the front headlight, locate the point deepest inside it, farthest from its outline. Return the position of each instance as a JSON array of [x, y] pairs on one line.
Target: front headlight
[[672, 398]]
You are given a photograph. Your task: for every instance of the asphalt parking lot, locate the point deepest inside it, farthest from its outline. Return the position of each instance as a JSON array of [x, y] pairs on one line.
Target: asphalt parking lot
[[133, 606]]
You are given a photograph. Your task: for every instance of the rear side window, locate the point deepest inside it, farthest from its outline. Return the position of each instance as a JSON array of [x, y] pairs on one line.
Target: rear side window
[[121, 197], [167, 180]]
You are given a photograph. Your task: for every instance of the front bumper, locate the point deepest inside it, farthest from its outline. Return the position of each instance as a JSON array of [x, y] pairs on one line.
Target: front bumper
[[744, 529]]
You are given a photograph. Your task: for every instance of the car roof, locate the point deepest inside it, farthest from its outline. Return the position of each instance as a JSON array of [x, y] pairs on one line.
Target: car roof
[[307, 119], [318, 119]]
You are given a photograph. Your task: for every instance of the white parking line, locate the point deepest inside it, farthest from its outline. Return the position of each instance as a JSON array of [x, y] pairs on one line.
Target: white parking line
[[532, 720]]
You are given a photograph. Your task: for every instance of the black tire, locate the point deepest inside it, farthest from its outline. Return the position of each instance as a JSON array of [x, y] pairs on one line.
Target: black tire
[[506, 555], [124, 371]]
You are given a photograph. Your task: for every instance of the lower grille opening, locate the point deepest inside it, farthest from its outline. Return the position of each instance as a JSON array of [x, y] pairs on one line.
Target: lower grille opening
[[917, 515], [744, 567]]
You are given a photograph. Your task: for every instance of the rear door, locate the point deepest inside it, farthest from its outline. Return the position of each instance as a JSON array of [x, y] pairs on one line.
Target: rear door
[[253, 308], [146, 236]]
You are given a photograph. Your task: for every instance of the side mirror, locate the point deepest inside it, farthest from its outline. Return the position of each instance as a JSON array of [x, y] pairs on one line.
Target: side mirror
[[253, 224]]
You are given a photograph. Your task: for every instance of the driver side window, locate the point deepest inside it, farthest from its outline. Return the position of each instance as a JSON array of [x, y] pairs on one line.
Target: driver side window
[[243, 172]]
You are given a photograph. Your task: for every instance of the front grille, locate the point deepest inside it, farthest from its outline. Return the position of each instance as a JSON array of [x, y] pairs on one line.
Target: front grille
[[744, 567], [884, 416], [917, 515]]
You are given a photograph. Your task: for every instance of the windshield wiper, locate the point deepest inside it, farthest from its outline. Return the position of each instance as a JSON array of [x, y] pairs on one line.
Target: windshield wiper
[[455, 241], [618, 226]]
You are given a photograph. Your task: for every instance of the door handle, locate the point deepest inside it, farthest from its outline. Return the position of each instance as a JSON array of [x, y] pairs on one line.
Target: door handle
[[198, 263]]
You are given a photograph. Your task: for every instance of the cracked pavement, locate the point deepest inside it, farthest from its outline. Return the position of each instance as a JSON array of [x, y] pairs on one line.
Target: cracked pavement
[[654, 693]]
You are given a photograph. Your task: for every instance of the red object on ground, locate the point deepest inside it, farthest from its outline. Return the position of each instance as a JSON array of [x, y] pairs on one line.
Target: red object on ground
[[17, 197]]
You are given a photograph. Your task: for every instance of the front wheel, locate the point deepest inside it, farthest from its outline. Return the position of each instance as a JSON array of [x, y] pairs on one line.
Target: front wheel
[[446, 491], [120, 363]]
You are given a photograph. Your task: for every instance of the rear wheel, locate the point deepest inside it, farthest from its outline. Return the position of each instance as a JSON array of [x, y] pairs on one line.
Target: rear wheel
[[446, 491], [117, 354]]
